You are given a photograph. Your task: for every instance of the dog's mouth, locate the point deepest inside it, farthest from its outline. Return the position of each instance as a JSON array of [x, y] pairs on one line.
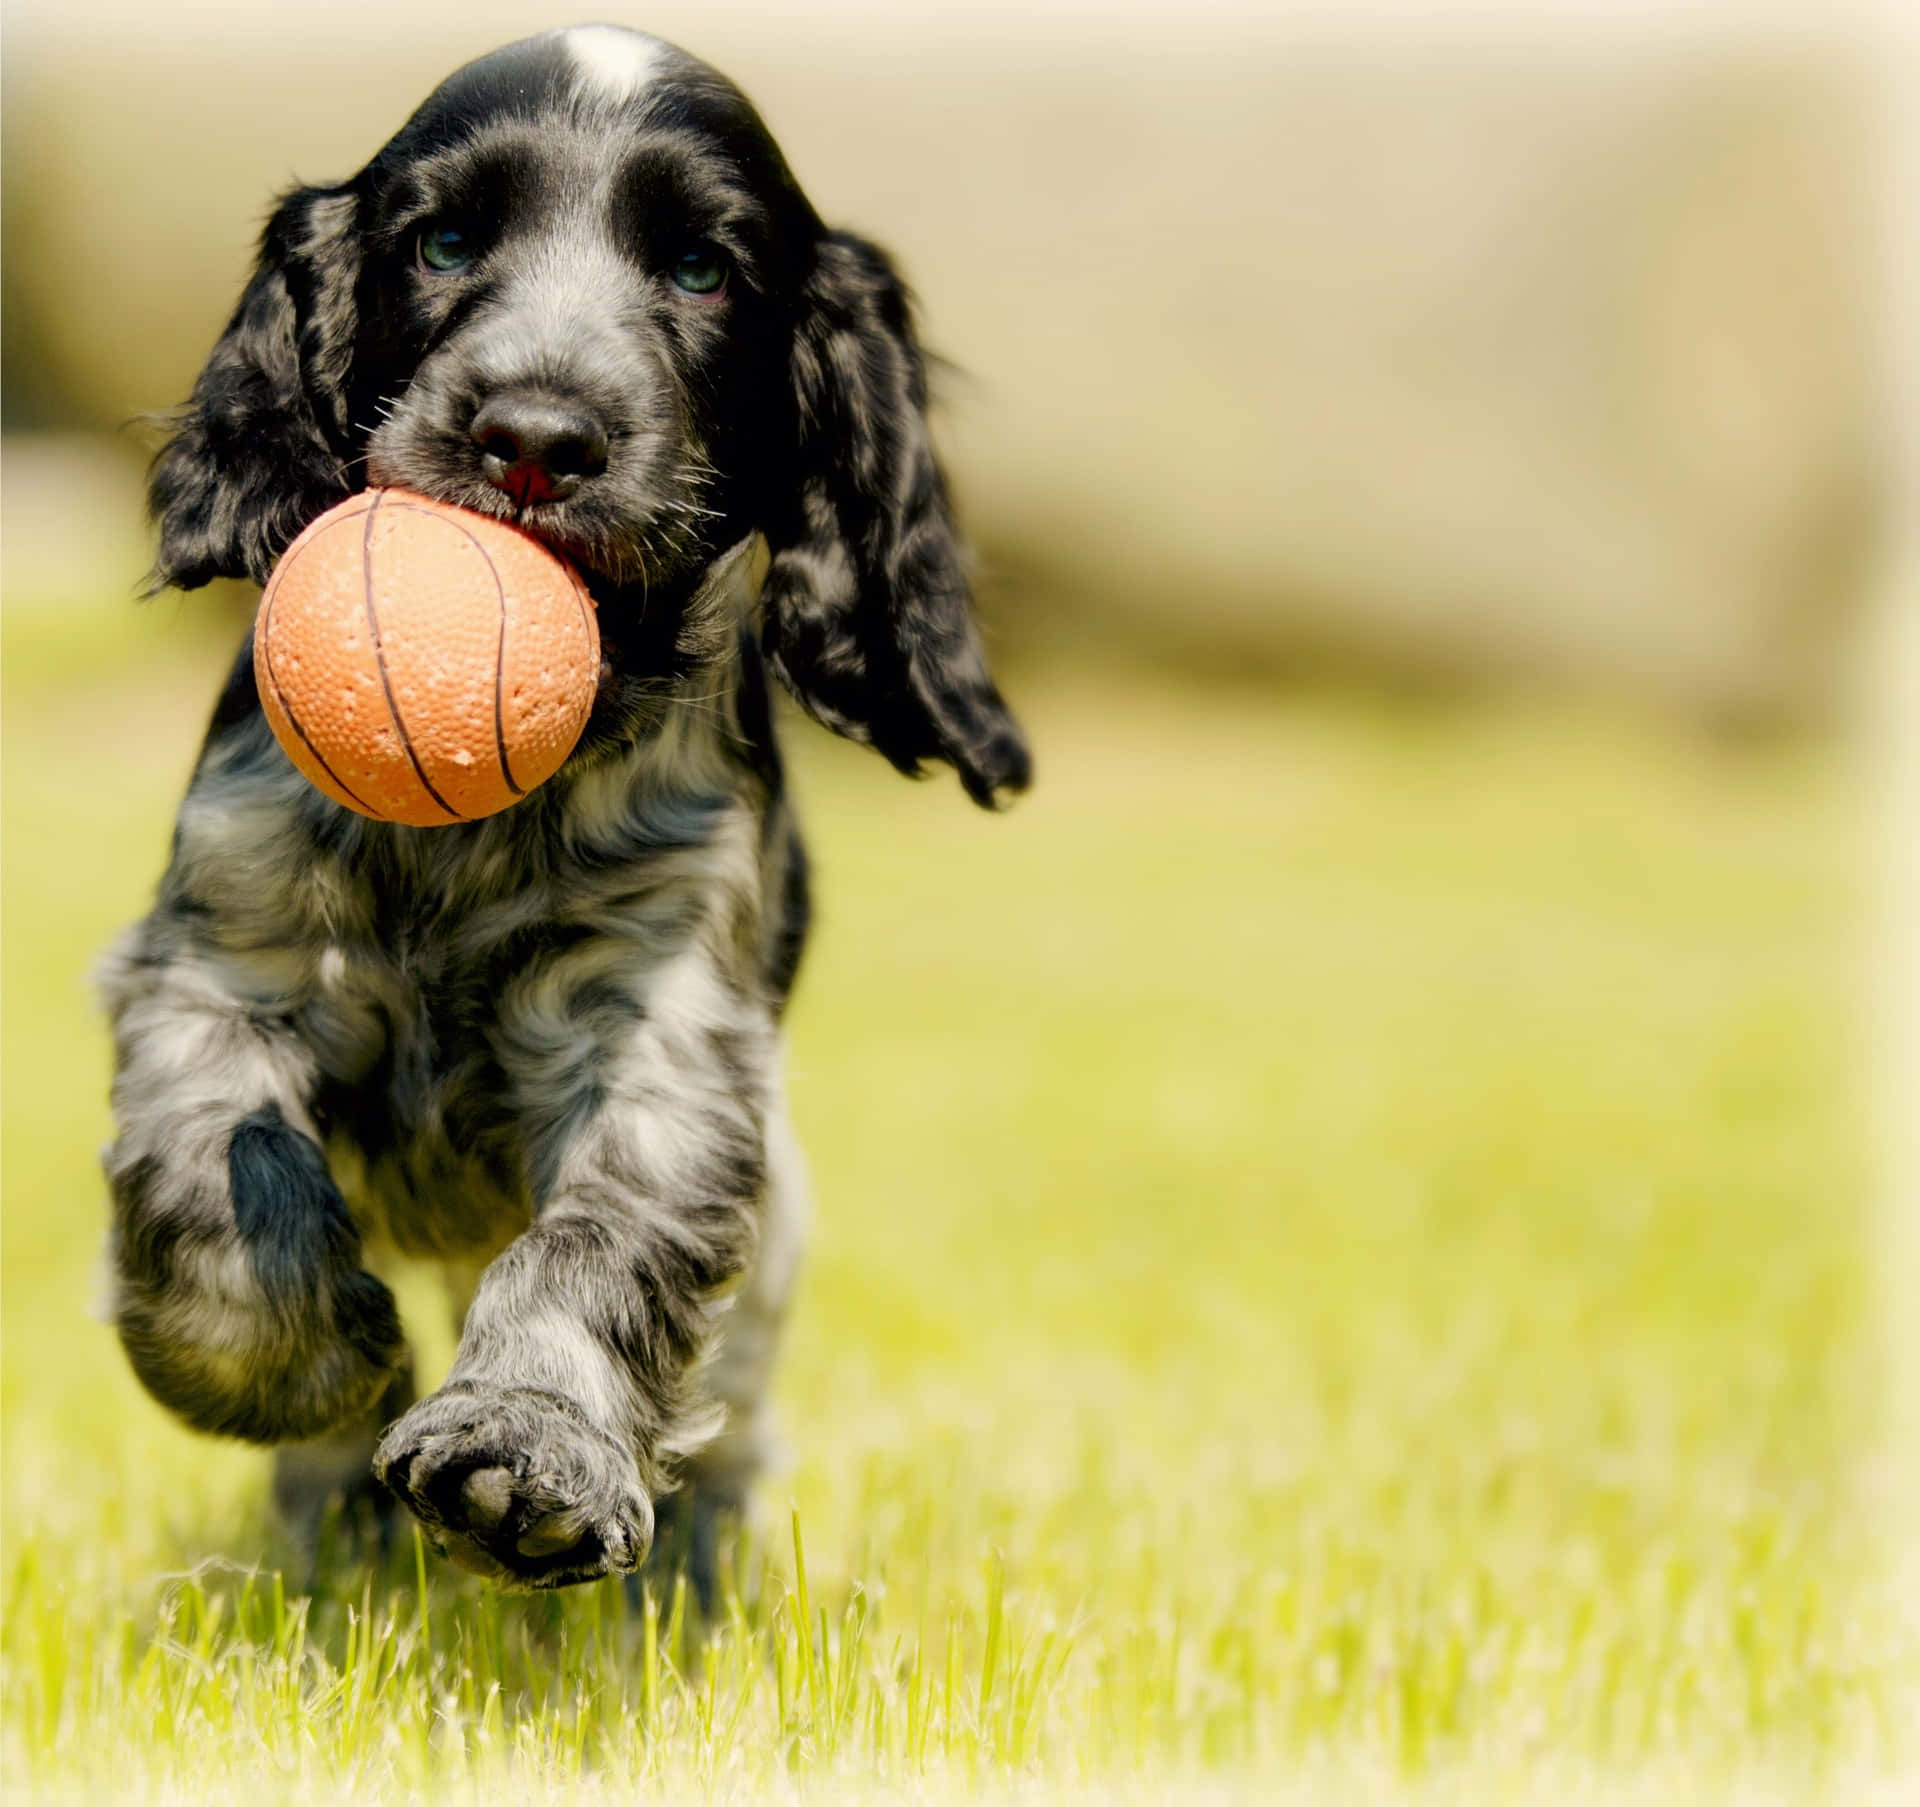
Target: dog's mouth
[[638, 523], [552, 523], [650, 578], [601, 552]]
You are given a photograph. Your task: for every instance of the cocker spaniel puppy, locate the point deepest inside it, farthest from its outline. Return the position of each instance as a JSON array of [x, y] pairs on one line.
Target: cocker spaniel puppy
[[581, 291]]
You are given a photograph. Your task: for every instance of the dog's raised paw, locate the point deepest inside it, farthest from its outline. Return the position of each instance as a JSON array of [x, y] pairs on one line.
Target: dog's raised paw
[[518, 1485]]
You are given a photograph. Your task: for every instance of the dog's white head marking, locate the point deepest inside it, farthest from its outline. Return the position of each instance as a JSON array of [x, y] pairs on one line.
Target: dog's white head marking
[[612, 63]]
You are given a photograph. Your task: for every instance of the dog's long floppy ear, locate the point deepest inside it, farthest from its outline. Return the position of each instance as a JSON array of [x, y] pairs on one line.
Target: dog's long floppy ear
[[262, 445], [866, 608]]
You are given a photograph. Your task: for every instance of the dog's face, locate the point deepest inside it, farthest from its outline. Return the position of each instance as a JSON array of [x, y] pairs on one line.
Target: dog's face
[[580, 266], [580, 290]]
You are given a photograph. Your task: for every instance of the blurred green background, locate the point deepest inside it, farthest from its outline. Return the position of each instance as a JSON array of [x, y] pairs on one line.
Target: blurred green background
[[1445, 343], [1354, 1195]]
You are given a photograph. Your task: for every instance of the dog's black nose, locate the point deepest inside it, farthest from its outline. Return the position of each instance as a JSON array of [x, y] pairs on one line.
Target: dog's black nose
[[539, 448]]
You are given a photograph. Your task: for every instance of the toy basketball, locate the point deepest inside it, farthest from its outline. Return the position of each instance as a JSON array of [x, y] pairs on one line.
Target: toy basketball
[[422, 664]]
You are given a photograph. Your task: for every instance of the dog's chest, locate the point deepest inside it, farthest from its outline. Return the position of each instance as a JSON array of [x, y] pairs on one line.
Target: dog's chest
[[454, 1013], [418, 1109]]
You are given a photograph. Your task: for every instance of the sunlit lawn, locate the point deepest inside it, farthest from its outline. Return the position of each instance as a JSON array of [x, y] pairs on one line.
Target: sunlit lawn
[[1339, 1267]]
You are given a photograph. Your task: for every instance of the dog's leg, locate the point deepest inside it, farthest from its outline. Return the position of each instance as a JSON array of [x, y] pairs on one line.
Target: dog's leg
[[238, 1289], [538, 1459], [738, 1377]]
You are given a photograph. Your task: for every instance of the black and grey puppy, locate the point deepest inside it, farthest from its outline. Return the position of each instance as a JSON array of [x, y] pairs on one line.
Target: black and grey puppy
[[581, 291]]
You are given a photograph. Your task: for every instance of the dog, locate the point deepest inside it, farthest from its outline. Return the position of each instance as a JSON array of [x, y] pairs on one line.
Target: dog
[[580, 291]]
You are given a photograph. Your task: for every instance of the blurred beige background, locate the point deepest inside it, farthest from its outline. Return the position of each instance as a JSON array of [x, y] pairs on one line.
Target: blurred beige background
[[1468, 347]]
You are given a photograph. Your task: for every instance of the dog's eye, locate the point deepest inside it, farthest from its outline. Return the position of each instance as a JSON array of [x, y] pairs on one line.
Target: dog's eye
[[445, 248], [701, 269]]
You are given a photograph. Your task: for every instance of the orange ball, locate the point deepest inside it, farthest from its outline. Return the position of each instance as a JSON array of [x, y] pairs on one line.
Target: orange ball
[[423, 664]]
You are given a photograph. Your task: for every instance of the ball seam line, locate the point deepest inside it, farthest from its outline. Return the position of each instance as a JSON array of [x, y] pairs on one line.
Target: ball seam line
[[500, 661], [500, 680], [286, 708], [580, 601], [380, 659]]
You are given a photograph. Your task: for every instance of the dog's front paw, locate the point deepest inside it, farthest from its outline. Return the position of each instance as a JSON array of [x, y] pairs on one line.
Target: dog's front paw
[[518, 1484]]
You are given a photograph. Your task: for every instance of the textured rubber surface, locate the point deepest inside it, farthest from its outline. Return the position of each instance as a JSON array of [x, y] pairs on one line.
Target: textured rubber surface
[[421, 664]]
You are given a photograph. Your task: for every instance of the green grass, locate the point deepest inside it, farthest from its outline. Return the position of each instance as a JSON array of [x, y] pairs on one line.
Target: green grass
[[1340, 1271]]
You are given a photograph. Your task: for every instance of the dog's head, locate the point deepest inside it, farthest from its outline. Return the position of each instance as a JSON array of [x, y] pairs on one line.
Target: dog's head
[[581, 290]]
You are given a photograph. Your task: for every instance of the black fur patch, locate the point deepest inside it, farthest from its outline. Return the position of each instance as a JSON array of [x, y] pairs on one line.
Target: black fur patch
[[286, 1207], [796, 917]]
